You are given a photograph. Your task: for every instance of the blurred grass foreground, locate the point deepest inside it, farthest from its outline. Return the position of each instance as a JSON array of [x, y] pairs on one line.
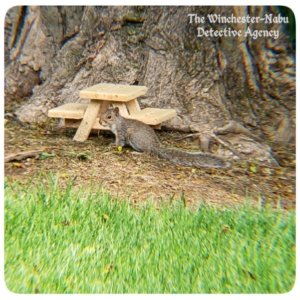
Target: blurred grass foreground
[[70, 240]]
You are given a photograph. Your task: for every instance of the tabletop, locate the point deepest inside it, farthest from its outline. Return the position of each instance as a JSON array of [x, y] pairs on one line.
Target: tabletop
[[113, 92]]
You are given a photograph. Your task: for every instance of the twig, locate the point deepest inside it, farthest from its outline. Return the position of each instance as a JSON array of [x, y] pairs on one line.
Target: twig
[[226, 145], [187, 136], [15, 118], [22, 155]]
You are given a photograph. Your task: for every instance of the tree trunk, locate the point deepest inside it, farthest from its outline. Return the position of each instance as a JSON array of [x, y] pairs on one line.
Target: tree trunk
[[240, 89]]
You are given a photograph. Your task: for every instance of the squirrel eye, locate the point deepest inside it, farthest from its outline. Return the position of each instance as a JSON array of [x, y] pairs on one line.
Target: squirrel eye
[[109, 117]]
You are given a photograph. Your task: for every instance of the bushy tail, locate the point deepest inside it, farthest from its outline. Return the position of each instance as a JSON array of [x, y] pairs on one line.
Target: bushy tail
[[192, 159]]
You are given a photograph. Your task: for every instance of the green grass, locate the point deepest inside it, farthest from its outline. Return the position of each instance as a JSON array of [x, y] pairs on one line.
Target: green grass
[[75, 241]]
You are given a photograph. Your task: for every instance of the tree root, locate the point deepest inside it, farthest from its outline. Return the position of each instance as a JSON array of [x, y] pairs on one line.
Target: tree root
[[234, 127], [231, 127], [218, 140]]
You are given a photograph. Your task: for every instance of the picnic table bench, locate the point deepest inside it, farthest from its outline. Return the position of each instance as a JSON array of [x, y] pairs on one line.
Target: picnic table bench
[[85, 117]]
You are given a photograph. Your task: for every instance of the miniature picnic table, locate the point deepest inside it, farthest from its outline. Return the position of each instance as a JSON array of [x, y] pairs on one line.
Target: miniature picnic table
[[85, 117]]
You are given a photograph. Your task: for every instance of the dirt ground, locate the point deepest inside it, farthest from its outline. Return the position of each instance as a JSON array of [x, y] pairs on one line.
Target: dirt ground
[[140, 176]]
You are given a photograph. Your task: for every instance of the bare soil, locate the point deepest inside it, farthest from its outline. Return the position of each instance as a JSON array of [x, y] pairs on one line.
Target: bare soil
[[140, 176]]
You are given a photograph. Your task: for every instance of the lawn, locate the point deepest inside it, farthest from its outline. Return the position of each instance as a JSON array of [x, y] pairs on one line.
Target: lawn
[[81, 240]]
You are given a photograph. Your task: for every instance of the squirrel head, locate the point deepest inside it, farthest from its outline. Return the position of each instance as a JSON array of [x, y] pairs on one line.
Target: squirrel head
[[108, 118]]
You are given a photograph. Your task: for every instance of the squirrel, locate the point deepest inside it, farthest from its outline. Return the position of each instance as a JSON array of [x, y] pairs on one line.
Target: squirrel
[[141, 137]]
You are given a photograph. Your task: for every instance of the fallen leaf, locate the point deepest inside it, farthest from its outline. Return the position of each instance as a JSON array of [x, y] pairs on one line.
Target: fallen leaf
[[45, 155], [18, 165], [105, 216], [108, 268]]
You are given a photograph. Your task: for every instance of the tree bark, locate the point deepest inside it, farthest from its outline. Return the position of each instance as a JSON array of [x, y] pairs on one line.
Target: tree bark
[[243, 84]]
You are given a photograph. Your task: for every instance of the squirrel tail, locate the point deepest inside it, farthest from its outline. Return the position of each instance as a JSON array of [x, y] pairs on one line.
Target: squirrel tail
[[192, 159]]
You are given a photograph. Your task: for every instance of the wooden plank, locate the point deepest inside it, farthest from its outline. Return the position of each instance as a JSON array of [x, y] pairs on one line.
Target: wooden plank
[[144, 112], [133, 106], [129, 92], [88, 121], [97, 87], [122, 108], [69, 110], [72, 123], [157, 127], [163, 115], [147, 120], [104, 106], [153, 116], [133, 92], [122, 93], [100, 91]]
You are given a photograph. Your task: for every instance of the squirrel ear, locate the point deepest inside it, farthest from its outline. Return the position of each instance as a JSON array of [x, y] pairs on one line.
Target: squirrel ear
[[116, 110]]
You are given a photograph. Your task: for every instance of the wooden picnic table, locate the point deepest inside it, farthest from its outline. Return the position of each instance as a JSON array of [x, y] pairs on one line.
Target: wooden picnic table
[[85, 117]]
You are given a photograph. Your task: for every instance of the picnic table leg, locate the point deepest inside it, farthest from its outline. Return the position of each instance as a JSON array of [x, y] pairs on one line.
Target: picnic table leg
[[133, 106], [122, 108], [88, 120], [104, 106]]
